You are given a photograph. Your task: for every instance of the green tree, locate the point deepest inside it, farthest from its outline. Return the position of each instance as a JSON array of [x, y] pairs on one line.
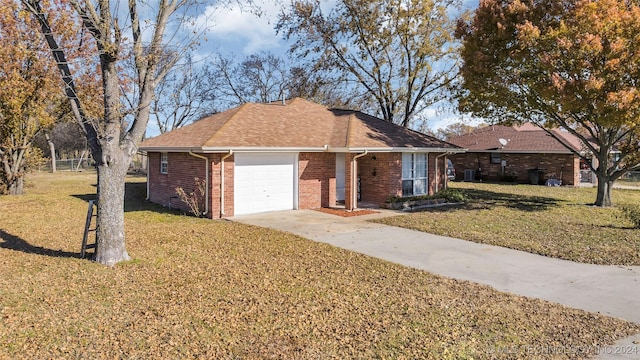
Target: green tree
[[569, 64], [398, 54], [27, 82]]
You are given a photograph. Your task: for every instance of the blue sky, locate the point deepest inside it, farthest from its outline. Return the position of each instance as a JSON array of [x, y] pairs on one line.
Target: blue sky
[[238, 32]]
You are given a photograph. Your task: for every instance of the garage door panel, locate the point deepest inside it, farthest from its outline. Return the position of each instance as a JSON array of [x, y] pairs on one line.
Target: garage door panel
[[264, 182]]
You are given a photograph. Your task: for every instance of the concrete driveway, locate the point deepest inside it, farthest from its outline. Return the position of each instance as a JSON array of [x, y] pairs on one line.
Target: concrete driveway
[[609, 290]]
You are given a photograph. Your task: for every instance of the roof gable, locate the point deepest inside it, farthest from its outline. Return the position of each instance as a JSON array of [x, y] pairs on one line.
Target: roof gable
[[296, 124]]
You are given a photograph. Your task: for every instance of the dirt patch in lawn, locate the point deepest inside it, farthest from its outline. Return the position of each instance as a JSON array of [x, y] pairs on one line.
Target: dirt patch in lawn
[[347, 213]]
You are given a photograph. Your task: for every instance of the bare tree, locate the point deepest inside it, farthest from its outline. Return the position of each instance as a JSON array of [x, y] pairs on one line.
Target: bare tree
[[456, 129], [399, 54], [307, 82], [259, 77], [67, 137], [186, 94], [264, 77], [111, 144]]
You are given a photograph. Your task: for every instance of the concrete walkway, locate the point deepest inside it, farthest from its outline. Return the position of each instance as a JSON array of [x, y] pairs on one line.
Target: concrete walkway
[[609, 290]]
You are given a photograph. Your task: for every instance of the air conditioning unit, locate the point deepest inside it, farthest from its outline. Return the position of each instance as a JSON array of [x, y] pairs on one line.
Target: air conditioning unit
[[469, 175]]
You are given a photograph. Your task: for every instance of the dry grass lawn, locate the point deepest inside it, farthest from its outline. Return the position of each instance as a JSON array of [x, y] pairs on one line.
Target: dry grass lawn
[[216, 289], [551, 221]]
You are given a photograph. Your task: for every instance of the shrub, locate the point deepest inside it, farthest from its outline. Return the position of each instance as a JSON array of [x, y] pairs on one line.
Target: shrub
[[632, 212], [513, 177], [451, 195], [195, 199]]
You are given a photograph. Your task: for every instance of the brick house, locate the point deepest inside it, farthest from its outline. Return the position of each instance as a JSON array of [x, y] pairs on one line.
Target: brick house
[[496, 153], [293, 155]]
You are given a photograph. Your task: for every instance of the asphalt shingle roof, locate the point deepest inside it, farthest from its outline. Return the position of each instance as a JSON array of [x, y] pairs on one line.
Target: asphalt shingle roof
[[296, 124], [527, 138]]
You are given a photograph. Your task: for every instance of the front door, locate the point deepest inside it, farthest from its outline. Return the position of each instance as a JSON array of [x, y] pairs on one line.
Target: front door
[[340, 176]]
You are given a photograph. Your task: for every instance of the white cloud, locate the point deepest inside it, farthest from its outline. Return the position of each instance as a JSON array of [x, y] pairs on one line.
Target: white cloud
[[236, 29], [443, 120], [441, 115]]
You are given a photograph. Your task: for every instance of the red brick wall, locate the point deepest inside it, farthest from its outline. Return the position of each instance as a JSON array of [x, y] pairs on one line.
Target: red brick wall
[[216, 185], [380, 176], [317, 180], [229, 166], [183, 169], [431, 172], [562, 165]]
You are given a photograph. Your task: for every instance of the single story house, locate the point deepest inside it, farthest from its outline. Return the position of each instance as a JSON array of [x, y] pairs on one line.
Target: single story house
[[293, 154], [521, 154]]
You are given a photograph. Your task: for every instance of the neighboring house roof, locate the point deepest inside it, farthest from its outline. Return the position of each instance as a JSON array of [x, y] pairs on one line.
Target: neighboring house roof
[[527, 138], [296, 124]]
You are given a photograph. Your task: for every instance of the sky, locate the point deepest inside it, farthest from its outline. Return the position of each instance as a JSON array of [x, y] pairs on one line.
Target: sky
[[237, 32]]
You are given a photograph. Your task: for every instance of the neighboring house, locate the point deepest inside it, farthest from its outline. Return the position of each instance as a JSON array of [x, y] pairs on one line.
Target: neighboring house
[[521, 154], [293, 155]]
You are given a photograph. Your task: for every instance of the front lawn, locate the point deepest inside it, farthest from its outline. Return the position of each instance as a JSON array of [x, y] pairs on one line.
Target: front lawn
[[551, 221], [198, 288]]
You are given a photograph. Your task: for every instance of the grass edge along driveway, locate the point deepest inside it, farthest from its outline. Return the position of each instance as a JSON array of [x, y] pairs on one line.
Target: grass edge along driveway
[[550, 221]]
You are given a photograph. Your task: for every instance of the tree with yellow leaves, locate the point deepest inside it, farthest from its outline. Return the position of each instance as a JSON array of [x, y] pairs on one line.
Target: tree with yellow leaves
[[572, 64], [28, 81]]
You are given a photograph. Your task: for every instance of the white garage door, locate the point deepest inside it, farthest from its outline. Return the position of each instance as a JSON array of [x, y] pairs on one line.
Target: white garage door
[[264, 182]]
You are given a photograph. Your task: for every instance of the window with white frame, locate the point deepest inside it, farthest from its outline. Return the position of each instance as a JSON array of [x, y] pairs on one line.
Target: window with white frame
[[414, 174], [164, 163]]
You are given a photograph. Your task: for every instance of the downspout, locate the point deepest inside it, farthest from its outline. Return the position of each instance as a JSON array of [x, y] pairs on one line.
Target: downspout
[[147, 158], [445, 166], [354, 179], [206, 171], [222, 182]]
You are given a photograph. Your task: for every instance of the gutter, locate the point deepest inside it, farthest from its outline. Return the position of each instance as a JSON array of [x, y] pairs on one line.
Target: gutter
[[206, 171], [354, 180], [502, 151], [325, 148], [401, 150], [222, 182]]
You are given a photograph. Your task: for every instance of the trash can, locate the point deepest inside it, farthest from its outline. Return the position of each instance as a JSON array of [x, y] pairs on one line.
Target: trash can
[[536, 176]]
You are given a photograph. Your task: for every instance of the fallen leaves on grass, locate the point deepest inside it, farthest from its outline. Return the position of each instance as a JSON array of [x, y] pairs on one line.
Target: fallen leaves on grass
[[212, 289], [553, 222]]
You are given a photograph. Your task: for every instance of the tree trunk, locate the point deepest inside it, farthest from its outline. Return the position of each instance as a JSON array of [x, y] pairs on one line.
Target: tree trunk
[[12, 173], [52, 148], [16, 185], [110, 231], [603, 198]]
